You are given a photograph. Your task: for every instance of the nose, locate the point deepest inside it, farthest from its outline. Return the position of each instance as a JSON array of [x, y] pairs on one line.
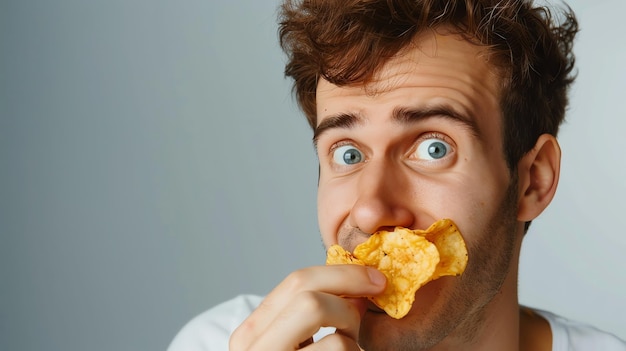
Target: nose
[[383, 199]]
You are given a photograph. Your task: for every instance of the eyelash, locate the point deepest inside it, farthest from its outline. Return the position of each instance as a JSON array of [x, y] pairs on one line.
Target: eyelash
[[434, 135], [341, 143]]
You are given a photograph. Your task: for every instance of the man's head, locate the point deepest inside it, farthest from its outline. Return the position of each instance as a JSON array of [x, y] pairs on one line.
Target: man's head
[[347, 41], [425, 110]]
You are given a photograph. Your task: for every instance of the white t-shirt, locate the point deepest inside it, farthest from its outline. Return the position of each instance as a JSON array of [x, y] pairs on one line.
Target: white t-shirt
[[211, 330]]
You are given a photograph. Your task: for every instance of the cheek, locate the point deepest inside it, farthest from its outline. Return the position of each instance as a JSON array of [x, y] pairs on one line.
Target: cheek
[[481, 205], [333, 208]]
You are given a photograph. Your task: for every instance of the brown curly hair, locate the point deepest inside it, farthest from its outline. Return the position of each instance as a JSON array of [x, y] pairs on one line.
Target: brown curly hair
[[347, 41]]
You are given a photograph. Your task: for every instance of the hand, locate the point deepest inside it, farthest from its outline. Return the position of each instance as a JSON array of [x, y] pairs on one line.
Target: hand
[[324, 296]]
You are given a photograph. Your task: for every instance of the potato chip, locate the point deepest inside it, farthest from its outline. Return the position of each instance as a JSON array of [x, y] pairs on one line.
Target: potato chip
[[409, 259], [451, 246]]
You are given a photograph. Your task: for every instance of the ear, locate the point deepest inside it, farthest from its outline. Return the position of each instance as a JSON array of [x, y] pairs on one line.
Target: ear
[[538, 173]]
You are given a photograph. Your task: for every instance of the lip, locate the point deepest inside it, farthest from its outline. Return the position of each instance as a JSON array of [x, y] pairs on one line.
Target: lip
[[371, 307]]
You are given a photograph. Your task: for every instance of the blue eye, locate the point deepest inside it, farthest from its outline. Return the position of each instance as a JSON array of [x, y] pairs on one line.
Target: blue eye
[[347, 155], [432, 149]]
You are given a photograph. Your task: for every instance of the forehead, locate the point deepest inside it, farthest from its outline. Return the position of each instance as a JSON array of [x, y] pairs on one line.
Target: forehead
[[436, 68]]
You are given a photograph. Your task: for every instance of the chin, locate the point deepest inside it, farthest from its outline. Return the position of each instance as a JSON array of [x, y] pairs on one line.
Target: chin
[[378, 331], [427, 324]]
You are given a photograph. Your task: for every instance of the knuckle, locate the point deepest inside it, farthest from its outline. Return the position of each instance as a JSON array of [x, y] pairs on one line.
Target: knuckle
[[310, 302], [297, 280], [306, 304]]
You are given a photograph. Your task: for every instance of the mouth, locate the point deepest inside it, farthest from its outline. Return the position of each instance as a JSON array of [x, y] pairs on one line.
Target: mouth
[[371, 307]]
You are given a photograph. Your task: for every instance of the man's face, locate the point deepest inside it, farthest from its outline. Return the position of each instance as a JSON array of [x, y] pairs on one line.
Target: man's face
[[422, 142]]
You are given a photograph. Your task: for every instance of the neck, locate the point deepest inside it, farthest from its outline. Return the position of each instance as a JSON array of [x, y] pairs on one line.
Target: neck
[[496, 326], [499, 323], [504, 324]]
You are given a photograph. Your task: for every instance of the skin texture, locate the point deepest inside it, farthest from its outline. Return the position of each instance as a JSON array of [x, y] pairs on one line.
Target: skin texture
[[421, 142]]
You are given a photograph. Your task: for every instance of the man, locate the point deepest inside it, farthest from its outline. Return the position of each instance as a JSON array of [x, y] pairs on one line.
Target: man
[[421, 110]]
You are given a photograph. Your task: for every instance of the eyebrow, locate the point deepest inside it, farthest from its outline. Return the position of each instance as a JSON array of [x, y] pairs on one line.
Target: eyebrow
[[412, 115], [341, 121], [399, 115]]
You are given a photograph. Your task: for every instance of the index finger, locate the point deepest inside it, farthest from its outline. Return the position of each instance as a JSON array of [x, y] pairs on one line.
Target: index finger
[[340, 280]]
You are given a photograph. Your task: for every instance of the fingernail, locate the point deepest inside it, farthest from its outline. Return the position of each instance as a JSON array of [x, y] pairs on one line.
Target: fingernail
[[376, 277]]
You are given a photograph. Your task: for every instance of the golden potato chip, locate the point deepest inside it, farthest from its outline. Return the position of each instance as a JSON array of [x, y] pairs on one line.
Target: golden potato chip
[[337, 255], [451, 246], [409, 259]]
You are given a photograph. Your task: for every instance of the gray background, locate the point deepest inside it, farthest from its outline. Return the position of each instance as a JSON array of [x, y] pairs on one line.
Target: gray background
[[153, 164]]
